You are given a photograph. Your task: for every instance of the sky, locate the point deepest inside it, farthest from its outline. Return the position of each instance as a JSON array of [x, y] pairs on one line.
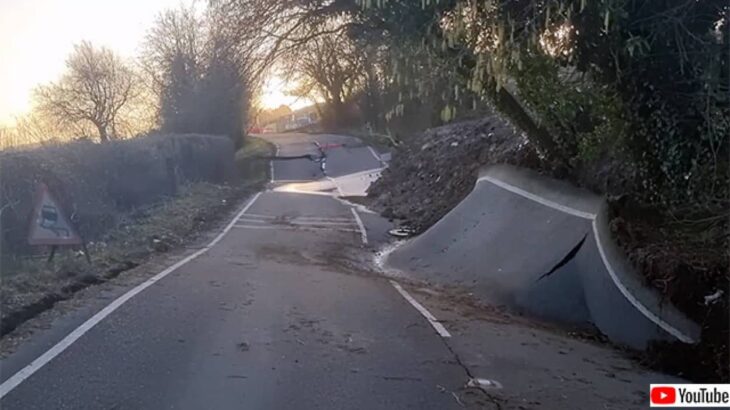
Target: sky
[[274, 94], [37, 36]]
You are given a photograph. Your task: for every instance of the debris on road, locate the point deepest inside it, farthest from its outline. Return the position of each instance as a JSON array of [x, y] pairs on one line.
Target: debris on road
[[402, 232], [428, 176], [483, 384]]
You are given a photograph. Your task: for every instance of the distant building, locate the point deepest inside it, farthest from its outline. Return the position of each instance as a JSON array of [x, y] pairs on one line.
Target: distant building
[[297, 119]]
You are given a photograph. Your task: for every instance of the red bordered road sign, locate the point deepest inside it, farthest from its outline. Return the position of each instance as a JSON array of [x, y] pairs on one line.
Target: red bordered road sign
[[49, 224]]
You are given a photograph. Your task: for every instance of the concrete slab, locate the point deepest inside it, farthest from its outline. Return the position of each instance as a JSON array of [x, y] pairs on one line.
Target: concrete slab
[[510, 242]]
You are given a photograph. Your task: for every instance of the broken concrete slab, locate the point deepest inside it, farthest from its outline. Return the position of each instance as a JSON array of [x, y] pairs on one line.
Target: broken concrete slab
[[516, 226]]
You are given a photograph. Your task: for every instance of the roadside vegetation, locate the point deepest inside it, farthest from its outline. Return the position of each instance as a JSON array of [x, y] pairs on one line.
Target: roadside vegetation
[[34, 285], [198, 71], [629, 99], [140, 153], [251, 162], [30, 284]]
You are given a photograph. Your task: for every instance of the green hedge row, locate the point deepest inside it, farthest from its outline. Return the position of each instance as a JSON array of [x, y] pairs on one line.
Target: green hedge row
[[96, 183]]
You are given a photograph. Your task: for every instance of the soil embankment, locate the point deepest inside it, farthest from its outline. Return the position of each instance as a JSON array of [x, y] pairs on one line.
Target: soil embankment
[[433, 172]]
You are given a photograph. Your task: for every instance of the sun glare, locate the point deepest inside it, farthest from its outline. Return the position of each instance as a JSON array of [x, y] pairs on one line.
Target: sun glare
[[40, 34], [274, 94]]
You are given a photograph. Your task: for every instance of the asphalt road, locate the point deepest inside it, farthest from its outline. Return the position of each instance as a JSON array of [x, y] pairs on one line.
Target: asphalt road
[[283, 311], [271, 317]]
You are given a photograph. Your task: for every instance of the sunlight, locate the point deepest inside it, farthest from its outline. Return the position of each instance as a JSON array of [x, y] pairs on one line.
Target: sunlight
[[557, 41], [275, 94], [43, 33]]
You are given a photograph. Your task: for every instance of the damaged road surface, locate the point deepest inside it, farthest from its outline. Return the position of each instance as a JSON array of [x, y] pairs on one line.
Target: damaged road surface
[[262, 320], [280, 312]]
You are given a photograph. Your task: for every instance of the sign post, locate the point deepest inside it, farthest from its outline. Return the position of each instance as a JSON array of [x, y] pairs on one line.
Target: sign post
[[50, 226]]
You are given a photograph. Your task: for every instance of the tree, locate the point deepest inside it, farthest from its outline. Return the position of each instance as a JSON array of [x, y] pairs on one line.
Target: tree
[[329, 66], [202, 65], [172, 60], [269, 32], [94, 91]]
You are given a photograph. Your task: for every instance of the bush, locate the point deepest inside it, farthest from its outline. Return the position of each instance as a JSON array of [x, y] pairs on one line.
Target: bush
[[95, 182]]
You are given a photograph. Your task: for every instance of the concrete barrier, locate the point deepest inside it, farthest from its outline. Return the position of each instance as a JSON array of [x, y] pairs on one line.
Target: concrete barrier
[[543, 247]]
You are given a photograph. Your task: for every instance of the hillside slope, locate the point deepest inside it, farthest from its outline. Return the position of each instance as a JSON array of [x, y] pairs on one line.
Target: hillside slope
[[433, 172]]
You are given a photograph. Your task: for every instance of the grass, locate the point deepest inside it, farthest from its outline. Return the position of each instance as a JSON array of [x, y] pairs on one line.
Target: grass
[[33, 285]]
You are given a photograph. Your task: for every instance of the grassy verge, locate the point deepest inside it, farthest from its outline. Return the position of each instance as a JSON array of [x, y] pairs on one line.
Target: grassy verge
[[34, 285]]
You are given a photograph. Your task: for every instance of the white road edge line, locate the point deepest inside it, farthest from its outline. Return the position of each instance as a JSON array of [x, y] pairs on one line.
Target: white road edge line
[[15, 380], [539, 199], [339, 191], [440, 329], [271, 163], [637, 304], [361, 226], [375, 154], [611, 273]]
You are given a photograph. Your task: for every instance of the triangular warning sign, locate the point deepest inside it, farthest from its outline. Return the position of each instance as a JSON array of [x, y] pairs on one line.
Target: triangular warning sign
[[49, 225]]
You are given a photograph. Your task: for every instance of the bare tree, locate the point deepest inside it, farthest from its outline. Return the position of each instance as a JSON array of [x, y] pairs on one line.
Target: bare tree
[[203, 64], [172, 59], [329, 66], [95, 89]]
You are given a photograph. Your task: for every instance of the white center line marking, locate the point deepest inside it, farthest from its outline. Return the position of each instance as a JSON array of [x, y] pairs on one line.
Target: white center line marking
[[322, 223], [294, 228], [13, 381], [440, 329], [271, 218], [296, 222], [361, 226]]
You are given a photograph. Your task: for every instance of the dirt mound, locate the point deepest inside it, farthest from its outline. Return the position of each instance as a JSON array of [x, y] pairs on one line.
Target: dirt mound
[[428, 176], [686, 261]]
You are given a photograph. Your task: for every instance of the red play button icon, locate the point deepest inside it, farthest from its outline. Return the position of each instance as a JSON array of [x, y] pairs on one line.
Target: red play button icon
[[663, 395]]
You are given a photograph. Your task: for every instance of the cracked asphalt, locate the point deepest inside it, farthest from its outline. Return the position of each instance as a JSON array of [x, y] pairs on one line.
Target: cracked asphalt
[[285, 312], [263, 320]]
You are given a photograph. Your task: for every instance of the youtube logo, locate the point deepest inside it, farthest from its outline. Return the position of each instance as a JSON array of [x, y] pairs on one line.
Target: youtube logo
[[663, 395], [684, 395]]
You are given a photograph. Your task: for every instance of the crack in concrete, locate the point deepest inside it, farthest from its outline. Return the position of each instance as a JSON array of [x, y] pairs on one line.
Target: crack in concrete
[[565, 259]]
